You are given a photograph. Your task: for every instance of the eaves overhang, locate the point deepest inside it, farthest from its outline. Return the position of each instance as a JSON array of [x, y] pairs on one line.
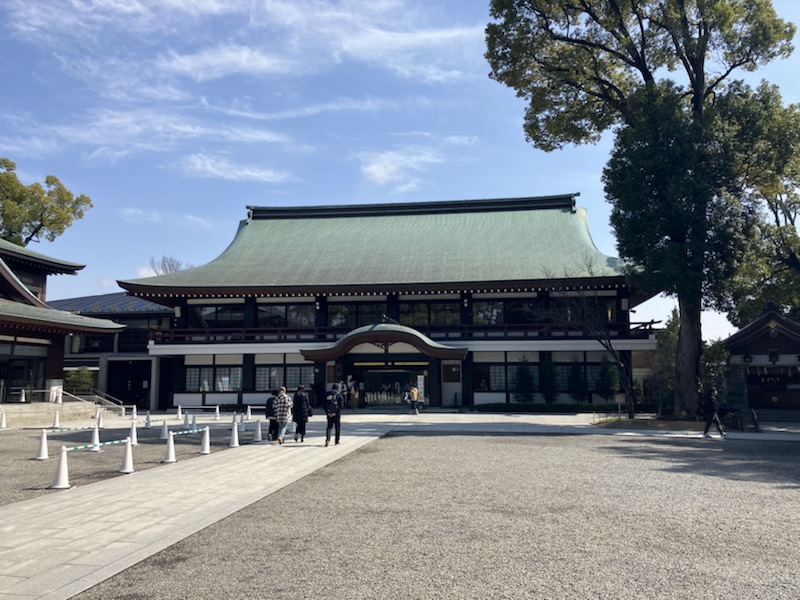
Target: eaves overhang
[[382, 335]]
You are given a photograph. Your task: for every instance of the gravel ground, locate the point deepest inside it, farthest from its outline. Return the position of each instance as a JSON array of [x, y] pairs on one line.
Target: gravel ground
[[22, 477], [474, 517]]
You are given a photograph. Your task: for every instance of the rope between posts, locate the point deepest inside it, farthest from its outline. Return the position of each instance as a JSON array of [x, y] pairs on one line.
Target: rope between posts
[[87, 446], [186, 431], [69, 429]]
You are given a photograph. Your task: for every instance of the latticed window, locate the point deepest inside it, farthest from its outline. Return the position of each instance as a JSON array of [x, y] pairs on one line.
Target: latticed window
[[489, 378], [268, 378]]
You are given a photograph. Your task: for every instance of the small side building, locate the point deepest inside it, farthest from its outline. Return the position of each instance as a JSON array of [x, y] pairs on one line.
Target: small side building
[[768, 352], [32, 333]]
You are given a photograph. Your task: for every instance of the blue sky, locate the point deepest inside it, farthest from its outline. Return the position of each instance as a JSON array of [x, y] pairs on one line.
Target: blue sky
[[173, 115]]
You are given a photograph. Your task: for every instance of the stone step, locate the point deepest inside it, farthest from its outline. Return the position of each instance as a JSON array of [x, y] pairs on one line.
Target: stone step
[[42, 414]]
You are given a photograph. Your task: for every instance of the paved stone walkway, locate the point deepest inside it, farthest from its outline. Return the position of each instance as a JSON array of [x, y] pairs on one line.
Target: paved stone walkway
[[56, 546]]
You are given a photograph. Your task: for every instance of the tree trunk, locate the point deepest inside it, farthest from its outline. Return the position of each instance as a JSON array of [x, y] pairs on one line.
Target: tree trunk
[[687, 361]]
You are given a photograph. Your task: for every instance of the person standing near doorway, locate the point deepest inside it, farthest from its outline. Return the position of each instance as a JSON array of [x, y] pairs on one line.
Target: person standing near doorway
[[710, 412], [413, 396], [283, 412], [301, 410], [333, 412]]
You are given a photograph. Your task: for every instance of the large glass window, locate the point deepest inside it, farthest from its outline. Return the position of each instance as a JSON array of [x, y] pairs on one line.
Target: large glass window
[[218, 379], [425, 314], [286, 315], [269, 378], [488, 313], [353, 314], [521, 312], [222, 316], [489, 378]]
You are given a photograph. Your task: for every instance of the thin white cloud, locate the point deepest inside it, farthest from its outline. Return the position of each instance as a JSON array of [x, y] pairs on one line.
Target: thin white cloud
[[137, 215], [398, 169], [197, 222], [145, 272], [216, 167], [339, 105], [462, 140], [222, 61]]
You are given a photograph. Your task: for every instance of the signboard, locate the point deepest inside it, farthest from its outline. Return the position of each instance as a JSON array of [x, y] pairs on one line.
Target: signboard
[[421, 388]]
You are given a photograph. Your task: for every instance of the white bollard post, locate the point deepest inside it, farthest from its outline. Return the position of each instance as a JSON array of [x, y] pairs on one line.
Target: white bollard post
[[22, 395], [121, 410], [3, 423], [133, 438], [257, 434], [234, 437], [134, 413], [97, 414], [42, 454], [205, 447], [216, 413], [61, 480], [186, 421], [249, 413], [241, 422], [170, 455], [127, 458], [147, 423], [164, 430], [100, 421], [180, 413], [60, 396], [233, 420], [95, 439], [56, 420]]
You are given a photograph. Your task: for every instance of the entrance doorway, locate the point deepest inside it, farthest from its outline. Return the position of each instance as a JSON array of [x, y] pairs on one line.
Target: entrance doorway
[[129, 381], [385, 386]]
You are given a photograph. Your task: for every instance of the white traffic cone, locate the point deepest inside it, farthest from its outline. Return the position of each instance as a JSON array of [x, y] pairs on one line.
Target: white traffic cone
[[257, 435], [194, 421], [134, 413], [95, 439], [133, 438], [241, 422], [3, 424], [216, 412], [60, 396], [42, 454], [249, 413], [127, 459], [100, 421], [164, 430], [61, 480], [147, 423], [234, 437], [56, 420], [180, 412], [233, 420], [97, 414], [170, 455], [205, 447]]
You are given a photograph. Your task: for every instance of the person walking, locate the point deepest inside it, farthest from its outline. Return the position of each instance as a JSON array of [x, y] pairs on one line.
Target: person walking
[[283, 412], [301, 410], [272, 432], [333, 412], [413, 396], [710, 412]]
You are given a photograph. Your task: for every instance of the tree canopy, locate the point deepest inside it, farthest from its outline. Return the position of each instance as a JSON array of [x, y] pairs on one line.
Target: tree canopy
[[659, 74], [31, 212]]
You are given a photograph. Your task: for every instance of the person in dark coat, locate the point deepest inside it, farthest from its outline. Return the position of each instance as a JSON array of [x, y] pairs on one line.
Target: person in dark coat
[[333, 412], [272, 433], [301, 410], [710, 412]]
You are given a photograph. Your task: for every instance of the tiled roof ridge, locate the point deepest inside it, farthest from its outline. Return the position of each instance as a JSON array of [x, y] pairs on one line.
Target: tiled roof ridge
[[562, 201]]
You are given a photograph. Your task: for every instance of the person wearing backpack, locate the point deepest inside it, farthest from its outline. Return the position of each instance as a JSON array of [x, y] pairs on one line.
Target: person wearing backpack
[[272, 432]]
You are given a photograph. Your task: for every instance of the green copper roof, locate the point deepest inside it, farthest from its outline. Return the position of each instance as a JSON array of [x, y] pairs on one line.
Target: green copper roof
[[50, 264], [461, 242]]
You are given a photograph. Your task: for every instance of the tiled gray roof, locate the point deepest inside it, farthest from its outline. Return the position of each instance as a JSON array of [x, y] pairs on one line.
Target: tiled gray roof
[[50, 318], [504, 240], [119, 302]]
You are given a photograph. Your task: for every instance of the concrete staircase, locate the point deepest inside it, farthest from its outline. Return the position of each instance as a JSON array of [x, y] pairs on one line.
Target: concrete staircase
[[42, 414]]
